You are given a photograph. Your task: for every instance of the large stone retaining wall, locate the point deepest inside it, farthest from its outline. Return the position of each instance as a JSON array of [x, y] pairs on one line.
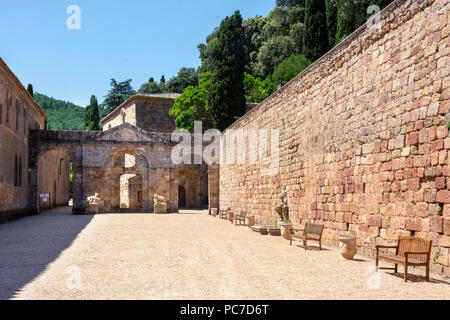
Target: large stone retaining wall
[[363, 139]]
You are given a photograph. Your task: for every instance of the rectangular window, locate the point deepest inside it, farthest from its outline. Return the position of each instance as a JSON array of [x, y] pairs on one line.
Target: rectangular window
[[17, 114], [20, 172], [25, 124], [16, 169], [8, 104]]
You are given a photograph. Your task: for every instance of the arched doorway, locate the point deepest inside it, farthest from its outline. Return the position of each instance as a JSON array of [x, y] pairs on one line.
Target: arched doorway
[[127, 172], [181, 197], [53, 179]]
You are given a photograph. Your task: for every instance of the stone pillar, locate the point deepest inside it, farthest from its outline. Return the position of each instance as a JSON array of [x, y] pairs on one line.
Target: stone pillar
[[77, 188], [213, 186], [33, 197]]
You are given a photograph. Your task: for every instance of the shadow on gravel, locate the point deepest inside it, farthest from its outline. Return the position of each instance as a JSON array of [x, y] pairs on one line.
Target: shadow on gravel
[[29, 245]]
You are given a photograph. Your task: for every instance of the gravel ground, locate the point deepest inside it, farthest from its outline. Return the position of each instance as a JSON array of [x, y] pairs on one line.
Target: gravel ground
[[181, 256]]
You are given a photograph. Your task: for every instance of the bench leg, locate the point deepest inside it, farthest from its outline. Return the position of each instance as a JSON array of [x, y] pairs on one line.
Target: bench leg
[[396, 268], [427, 275], [376, 264], [320, 245], [305, 243], [406, 272], [290, 242]]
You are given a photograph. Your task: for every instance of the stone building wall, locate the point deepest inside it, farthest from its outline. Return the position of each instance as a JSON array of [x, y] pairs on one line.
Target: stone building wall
[[362, 137], [18, 113]]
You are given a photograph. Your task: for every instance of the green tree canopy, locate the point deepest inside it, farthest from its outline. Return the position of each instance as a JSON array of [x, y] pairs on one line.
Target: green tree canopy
[[257, 90], [185, 77], [290, 67], [316, 35], [226, 96], [30, 89], [192, 105], [92, 118], [119, 92]]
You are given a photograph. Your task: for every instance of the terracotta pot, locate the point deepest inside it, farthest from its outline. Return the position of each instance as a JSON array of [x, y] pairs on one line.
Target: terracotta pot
[[250, 221], [214, 212], [348, 246], [286, 230]]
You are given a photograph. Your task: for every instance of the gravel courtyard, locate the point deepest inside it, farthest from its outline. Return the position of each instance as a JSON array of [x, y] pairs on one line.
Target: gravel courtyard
[[180, 256]]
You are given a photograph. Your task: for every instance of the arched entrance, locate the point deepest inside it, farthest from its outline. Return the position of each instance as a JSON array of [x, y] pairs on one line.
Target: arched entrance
[[181, 197], [128, 189], [53, 179]]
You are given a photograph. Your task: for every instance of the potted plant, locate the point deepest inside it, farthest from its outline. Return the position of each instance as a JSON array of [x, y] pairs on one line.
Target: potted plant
[[275, 230], [347, 244], [214, 212], [286, 227]]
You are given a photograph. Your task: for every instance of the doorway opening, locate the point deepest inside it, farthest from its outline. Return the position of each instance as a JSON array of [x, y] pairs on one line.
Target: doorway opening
[[181, 197], [131, 196]]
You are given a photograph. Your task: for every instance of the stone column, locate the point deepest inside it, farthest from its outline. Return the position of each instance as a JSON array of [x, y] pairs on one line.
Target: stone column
[[77, 184], [213, 186], [77, 189], [33, 197]]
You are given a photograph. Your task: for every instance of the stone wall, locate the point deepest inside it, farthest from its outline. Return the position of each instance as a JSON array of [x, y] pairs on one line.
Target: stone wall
[[362, 136], [18, 113]]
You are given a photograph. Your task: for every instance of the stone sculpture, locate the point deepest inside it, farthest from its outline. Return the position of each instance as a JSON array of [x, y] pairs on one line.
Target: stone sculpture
[[160, 204]]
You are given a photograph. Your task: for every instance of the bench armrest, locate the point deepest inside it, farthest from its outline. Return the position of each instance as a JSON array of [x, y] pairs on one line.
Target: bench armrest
[[389, 247], [408, 253]]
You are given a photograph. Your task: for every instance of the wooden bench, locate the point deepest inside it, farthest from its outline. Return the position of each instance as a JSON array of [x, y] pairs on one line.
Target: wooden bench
[[223, 214], [311, 232], [239, 219], [409, 251]]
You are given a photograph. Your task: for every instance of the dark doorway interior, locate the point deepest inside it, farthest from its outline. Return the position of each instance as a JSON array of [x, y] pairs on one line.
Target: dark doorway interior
[[181, 197]]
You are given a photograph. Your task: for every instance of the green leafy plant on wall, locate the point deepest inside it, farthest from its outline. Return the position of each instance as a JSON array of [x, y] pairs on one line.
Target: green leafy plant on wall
[[448, 125], [436, 256]]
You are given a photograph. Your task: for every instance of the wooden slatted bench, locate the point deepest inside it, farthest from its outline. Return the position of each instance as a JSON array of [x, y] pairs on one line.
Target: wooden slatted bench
[[223, 214], [311, 232], [409, 251], [239, 219]]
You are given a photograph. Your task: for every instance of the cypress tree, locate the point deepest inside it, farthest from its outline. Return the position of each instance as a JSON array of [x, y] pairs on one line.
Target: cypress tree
[[331, 22], [316, 36], [92, 118], [163, 79], [344, 26], [226, 96], [30, 89]]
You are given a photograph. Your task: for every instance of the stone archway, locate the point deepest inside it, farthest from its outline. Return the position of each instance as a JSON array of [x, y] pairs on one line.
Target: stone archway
[[50, 179], [128, 182]]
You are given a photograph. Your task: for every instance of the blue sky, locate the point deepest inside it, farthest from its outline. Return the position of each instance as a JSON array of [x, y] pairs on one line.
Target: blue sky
[[133, 39]]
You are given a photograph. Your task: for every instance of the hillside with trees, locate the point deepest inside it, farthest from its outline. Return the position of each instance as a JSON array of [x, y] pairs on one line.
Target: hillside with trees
[[62, 115]]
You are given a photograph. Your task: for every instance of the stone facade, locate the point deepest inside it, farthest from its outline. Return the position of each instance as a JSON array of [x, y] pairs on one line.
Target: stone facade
[[18, 113], [147, 111], [362, 136]]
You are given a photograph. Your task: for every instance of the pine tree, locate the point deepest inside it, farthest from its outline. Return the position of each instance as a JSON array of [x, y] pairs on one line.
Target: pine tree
[[316, 36], [226, 96], [30, 89], [163, 79], [92, 118]]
